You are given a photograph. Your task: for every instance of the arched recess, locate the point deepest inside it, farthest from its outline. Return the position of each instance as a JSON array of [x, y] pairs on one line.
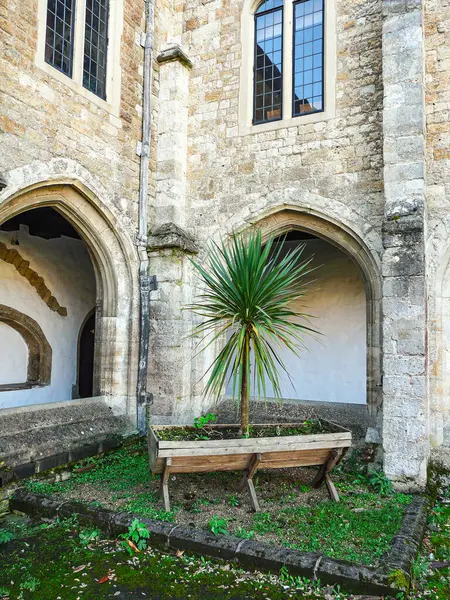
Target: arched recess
[[115, 265], [286, 220], [39, 369]]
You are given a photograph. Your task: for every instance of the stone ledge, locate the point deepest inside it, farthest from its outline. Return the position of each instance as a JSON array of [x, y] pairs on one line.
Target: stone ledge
[[393, 576], [170, 235], [173, 54]]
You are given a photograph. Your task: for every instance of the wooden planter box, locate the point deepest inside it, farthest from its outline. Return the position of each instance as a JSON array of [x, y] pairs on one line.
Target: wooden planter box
[[324, 450]]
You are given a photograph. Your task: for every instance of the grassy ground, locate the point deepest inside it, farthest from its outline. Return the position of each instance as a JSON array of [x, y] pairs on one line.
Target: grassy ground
[[432, 568], [61, 561], [360, 528]]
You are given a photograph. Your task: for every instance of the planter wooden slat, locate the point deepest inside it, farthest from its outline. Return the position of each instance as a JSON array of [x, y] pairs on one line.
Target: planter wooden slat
[[324, 450], [222, 450], [249, 443]]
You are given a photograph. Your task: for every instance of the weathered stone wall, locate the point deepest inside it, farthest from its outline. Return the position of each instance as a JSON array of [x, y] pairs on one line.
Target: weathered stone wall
[[331, 168], [363, 170], [437, 99], [233, 178], [82, 154], [43, 119]]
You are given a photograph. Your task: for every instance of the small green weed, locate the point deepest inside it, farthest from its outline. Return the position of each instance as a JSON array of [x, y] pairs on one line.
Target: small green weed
[[137, 534], [6, 536], [4, 592], [234, 501], [218, 526], [243, 533], [87, 536], [200, 422], [262, 522], [145, 505], [380, 483], [30, 584]]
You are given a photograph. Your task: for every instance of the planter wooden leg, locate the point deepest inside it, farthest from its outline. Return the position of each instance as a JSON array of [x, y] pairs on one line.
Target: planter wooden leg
[[332, 460], [164, 491], [247, 480], [331, 488]]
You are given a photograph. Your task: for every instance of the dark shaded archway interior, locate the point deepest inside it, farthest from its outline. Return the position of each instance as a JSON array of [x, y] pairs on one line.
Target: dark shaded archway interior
[[86, 358], [43, 222]]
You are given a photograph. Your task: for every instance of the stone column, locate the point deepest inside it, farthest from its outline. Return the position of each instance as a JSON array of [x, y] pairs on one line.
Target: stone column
[[170, 348], [171, 156], [169, 247], [405, 396]]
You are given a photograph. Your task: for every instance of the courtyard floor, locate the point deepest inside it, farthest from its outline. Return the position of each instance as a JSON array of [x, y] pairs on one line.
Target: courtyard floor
[[60, 560], [360, 528]]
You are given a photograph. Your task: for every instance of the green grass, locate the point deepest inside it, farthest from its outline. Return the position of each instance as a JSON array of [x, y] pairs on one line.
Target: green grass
[[119, 471], [56, 564], [435, 582], [360, 528], [336, 529]]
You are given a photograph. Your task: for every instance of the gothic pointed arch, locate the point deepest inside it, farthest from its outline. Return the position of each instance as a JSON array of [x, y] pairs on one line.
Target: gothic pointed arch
[[284, 220], [114, 261]]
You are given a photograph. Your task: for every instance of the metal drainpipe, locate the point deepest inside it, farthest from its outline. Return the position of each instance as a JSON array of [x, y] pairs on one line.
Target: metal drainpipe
[[146, 282]]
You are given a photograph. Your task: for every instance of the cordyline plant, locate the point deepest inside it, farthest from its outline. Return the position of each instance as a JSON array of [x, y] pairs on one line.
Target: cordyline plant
[[248, 292]]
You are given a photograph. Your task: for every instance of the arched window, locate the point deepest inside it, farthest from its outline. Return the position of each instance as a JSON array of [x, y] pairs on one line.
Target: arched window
[[308, 57], [39, 368], [292, 52], [268, 79]]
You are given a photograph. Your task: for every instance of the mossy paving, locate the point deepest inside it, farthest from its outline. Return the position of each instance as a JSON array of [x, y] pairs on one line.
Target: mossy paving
[[51, 563], [360, 528]]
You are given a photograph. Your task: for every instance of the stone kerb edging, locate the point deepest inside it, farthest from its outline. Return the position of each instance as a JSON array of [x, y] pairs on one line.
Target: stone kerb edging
[[393, 575]]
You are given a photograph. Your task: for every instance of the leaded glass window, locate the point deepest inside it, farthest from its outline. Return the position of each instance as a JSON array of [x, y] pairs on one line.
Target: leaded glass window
[[308, 79], [268, 61], [95, 46], [59, 35]]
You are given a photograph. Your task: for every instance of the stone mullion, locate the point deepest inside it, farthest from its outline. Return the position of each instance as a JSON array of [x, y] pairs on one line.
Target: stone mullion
[[405, 397]]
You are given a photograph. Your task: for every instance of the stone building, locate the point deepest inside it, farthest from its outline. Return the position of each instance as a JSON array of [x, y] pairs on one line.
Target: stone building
[[134, 133]]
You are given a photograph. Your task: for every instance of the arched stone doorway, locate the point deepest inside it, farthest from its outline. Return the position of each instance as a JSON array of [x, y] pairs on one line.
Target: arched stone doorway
[[114, 265], [346, 243]]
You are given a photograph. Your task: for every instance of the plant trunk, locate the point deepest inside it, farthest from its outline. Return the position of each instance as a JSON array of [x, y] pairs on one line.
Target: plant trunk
[[245, 386]]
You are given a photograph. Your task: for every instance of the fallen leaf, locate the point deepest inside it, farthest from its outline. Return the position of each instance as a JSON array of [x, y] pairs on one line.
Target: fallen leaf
[[78, 569], [103, 579], [179, 553], [133, 546]]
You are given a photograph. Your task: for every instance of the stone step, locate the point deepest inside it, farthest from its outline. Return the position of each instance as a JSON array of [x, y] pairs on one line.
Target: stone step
[[25, 418], [56, 433]]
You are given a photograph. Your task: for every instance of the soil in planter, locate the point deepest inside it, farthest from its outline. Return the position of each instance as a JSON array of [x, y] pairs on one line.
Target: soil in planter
[[188, 433]]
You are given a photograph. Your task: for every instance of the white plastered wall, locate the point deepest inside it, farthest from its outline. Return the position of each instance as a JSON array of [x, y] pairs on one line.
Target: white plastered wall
[[13, 355], [333, 368], [65, 265]]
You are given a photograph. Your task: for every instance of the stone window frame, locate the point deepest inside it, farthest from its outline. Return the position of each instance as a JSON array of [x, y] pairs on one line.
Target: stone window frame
[[246, 125], [39, 369], [75, 82]]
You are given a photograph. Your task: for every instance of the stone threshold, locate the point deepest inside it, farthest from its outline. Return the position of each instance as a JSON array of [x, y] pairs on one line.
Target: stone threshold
[[390, 578]]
